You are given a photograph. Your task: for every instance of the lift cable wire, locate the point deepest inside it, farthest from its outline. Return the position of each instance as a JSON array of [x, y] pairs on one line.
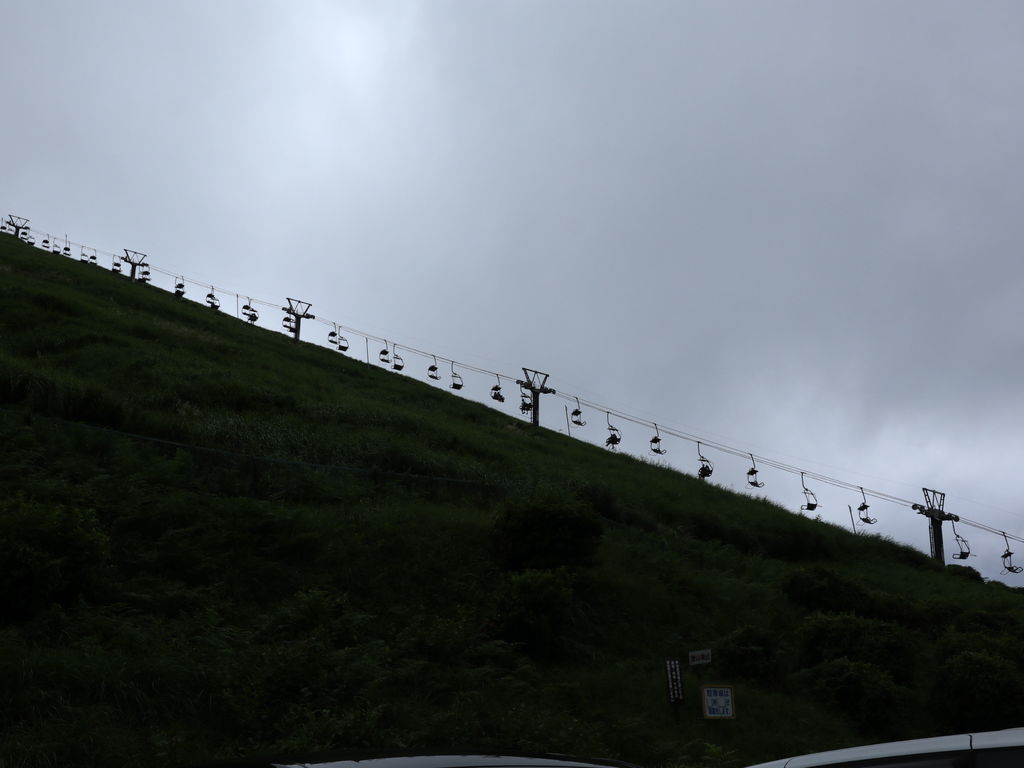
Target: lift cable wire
[[579, 402]]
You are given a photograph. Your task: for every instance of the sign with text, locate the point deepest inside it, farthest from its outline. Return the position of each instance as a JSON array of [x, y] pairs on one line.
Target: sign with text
[[674, 673], [719, 702], [700, 657]]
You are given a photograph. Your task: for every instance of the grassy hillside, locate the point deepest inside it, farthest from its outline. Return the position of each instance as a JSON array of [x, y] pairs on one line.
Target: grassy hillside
[[216, 541]]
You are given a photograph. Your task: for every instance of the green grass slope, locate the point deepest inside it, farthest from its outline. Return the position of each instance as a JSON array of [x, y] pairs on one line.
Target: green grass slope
[[215, 541]]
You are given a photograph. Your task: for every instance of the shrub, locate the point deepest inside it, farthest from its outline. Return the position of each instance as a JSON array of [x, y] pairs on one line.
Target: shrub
[[822, 589], [51, 554], [535, 610], [976, 691], [546, 534], [752, 653], [863, 692], [827, 636]]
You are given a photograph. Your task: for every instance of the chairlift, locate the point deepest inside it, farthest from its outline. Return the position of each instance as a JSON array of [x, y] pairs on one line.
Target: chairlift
[[811, 502], [432, 370], [66, 250], [45, 245], [525, 399], [656, 443], [83, 256], [179, 291], [496, 391], [577, 415], [862, 511], [752, 474], [144, 273], [385, 354], [288, 323], [1008, 566], [115, 262], [961, 542], [614, 435], [397, 363], [706, 468], [456, 379], [29, 238], [336, 339], [249, 312], [212, 300]]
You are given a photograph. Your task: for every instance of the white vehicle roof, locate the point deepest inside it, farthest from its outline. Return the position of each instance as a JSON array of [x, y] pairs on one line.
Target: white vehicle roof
[[1012, 737]]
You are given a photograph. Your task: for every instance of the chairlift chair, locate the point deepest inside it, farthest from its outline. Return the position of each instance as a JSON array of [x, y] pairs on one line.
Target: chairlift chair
[[212, 300], [250, 313], [961, 542], [1008, 566], [614, 435], [83, 256], [385, 354], [525, 399], [179, 291], [456, 379], [811, 502], [115, 263], [29, 238], [656, 443], [336, 339], [862, 511], [752, 474], [66, 250], [397, 363], [432, 372], [496, 391], [144, 274], [577, 415], [288, 322], [706, 468], [45, 245]]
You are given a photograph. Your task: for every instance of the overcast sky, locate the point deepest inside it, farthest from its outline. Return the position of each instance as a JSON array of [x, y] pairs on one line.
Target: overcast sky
[[791, 227]]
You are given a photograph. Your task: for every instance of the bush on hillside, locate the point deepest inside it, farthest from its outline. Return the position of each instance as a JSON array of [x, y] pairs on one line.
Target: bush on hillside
[[822, 589], [752, 653], [965, 572], [50, 554], [535, 610], [546, 533], [796, 539], [976, 691], [863, 693], [827, 636]]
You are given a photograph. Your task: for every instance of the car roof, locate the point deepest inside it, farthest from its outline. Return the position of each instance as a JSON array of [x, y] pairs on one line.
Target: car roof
[[961, 742], [392, 760]]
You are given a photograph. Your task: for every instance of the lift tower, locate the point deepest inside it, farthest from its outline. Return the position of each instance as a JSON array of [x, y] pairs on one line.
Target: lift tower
[[137, 260], [296, 312], [932, 509], [536, 382], [17, 223]]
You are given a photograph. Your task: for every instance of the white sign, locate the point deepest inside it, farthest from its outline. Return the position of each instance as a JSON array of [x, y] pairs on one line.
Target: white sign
[[719, 702], [675, 681], [700, 657]]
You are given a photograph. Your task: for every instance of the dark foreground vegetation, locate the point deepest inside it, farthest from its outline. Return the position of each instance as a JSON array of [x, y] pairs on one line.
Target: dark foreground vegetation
[[215, 541]]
